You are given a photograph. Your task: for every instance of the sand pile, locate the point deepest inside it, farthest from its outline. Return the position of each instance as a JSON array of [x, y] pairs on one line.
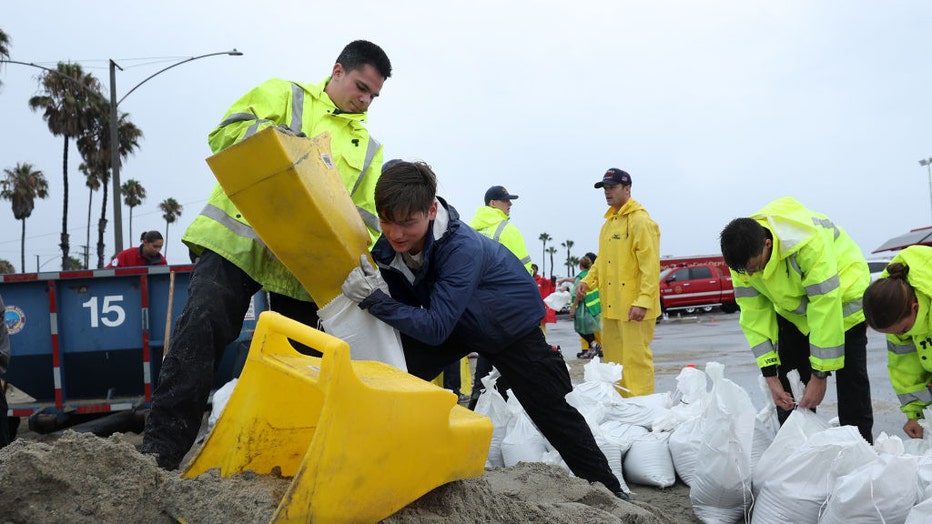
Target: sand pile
[[81, 478]]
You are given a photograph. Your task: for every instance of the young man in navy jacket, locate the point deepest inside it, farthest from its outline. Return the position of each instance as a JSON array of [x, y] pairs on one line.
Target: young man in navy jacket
[[454, 291]]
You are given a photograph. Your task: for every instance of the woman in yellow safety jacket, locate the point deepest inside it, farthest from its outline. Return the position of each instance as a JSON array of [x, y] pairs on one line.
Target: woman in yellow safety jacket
[[898, 304]]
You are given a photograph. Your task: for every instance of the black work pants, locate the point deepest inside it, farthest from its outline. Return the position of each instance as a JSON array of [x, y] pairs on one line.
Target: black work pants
[[852, 384], [212, 318], [538, 378]]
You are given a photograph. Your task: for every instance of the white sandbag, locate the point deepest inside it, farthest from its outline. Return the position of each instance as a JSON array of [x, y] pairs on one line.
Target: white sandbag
[[648, 462], [557, 300], [721, 487], [622, 433], [220, 399], [613, 454], [684, 445], [493, 405], [881, 491], [766, 424], [523, 442], [921, 513], [553, 457], [643, 410], [686, 399], [799, 426], [807, 476], [368, 337]]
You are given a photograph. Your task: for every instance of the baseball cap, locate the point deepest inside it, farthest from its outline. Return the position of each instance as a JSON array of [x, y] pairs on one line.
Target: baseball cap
[[614, 176], [498, 193]]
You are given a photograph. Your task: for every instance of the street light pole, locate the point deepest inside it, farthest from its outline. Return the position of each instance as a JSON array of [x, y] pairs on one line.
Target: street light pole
[[115, 138], [927, 162], [114, 126]]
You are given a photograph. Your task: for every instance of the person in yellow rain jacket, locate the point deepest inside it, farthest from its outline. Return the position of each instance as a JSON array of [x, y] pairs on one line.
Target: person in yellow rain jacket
[[627, 274], [898, 304], [233, 262], [798, 280]]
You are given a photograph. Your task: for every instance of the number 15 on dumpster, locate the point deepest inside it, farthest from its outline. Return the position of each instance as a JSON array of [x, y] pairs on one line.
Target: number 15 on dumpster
[[111, 314]]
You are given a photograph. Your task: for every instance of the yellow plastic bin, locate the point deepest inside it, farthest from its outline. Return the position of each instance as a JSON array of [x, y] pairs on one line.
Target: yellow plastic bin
[[362, 439]]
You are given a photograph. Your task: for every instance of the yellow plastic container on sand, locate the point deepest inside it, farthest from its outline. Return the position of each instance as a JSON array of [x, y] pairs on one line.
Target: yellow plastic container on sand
[[362, 439], [293, 197]]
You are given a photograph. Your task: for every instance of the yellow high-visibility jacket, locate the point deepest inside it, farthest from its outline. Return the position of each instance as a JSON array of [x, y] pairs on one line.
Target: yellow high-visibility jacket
[[627, 270], [909, 356], [493, 223], [303, 108], [815, 278]]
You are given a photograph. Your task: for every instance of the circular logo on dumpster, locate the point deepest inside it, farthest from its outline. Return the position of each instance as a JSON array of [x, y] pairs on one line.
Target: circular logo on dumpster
[[15, 319]]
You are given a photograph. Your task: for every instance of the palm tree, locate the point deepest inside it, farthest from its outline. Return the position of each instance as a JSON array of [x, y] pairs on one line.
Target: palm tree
[[551, 250], [68, 110], [4, 46], [568, 244], [6, 267], [133, 195], [544, 237], [95, 149], [171, 210], [22, 185], [573, 262], [92, 181]]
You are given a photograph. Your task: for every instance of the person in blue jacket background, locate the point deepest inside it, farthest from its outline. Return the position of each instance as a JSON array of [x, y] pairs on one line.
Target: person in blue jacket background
[[450, 291]]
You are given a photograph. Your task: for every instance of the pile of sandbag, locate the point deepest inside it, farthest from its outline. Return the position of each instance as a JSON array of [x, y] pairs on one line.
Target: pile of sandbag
[[740, 464]]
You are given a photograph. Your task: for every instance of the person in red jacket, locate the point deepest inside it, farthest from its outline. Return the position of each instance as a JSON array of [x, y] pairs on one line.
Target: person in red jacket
[[149, 252]]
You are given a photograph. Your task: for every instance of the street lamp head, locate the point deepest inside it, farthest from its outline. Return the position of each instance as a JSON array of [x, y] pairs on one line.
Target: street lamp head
[[234, 52]]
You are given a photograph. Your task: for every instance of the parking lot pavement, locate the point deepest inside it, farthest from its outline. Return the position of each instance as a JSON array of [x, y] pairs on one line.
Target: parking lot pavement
[[716, 337]]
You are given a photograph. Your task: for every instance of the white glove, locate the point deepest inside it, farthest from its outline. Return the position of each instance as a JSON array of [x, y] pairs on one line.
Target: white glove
[[363, 280]]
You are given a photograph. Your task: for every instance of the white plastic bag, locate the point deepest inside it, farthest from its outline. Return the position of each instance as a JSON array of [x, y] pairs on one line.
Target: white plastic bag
[[221, 397], [523, 442], [880, 491], [557, 300], [368, 337], [806, 474], [648, 462], [721, 486], [493, 405]]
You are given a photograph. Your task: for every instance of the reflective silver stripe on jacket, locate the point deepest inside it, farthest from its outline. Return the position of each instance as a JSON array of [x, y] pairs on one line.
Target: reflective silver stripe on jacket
[[499, 229], [827, 353], [746, 292], [924, 395], [900, 349], [824, 287], [851, 308], [527, 260], [762, 349], [244, 117], [297, 108], [213, 212], [827, 224]]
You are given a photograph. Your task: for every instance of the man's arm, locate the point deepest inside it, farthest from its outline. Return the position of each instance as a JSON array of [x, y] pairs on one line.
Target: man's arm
[[457, 278], [647, 253], [819, 266], [263, 106]]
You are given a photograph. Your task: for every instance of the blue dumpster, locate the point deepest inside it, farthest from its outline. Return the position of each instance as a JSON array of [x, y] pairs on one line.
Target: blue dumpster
[[92, 341]]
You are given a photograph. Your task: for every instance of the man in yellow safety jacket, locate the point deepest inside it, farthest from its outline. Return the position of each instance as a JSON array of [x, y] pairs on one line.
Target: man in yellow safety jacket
[[627, 275], [492, 221], [799, 280], [233, 262]]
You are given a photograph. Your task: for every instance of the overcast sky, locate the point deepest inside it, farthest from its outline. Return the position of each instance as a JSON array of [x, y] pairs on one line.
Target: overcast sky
[[714, 107]]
